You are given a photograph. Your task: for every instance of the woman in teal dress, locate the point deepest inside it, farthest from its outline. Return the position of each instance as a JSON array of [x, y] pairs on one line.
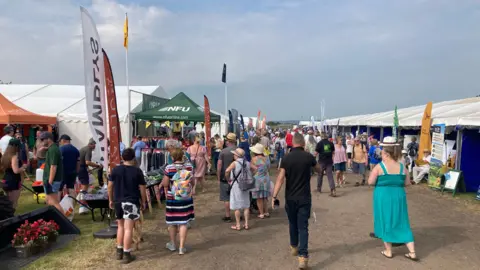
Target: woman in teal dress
[[390, 210]]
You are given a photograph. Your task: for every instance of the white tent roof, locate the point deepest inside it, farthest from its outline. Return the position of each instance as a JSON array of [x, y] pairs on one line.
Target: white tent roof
[[67, 101], [455, 112]]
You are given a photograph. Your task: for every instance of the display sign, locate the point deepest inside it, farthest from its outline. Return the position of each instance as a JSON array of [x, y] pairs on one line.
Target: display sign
[[436, 162], [452, 181]]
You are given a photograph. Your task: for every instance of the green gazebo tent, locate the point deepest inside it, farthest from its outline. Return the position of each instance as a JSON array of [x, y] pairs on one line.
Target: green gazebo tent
[[179, 108]]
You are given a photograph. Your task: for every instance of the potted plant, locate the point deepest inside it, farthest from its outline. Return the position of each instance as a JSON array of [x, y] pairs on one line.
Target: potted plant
[[32, 238]]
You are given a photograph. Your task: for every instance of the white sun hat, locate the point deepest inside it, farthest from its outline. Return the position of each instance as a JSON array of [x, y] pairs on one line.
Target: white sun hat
[[258, 149], [389, 141]]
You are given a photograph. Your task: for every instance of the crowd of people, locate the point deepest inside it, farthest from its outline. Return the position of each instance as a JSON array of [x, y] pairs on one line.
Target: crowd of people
[[242, 167]]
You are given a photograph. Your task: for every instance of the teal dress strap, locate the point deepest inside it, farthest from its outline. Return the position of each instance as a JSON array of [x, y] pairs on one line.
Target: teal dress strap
[[384, 169], [401, 169]]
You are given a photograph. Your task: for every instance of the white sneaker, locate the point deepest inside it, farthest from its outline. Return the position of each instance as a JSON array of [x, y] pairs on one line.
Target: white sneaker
[[182, 251], [170, 246]]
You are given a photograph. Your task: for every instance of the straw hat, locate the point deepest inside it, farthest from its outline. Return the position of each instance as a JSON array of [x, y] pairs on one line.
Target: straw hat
[[258, 149], [389, 141], [238, 152], [231, 137]]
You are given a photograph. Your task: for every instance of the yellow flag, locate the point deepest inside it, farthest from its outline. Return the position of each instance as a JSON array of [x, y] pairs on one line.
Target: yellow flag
[[125, 32], [147, 124], [167, 123]]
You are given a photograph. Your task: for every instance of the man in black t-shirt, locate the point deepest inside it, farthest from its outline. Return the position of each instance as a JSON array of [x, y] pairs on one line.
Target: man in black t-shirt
[[325, 150], [125, 190], [296, 169]]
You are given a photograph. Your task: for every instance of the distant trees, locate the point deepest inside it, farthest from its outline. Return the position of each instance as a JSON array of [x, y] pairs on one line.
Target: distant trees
[[2, 82]]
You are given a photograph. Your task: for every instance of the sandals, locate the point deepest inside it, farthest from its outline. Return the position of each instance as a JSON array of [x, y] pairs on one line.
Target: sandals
[[384, 253], [245, 227], [261, 216], [409, 256], [267, 215], [235, 228]]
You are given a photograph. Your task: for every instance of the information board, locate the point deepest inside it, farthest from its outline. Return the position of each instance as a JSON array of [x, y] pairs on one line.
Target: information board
[[436, 162]]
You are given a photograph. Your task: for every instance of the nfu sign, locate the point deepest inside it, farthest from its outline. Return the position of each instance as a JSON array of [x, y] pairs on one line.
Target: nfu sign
[[175, 109]]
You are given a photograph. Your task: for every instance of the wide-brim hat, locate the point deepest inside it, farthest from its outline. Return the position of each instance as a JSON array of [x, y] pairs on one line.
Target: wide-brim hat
[[258, 149], [239, 152], [389, 141], [232, 137]]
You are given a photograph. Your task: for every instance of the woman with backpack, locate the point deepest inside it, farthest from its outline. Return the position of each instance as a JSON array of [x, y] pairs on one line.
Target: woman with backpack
[[200, 160], [261, 166], [179, 210], [374, 154], [240, 178]]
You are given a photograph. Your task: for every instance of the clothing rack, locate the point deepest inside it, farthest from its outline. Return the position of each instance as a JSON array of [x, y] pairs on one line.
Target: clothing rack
[[153, 159]]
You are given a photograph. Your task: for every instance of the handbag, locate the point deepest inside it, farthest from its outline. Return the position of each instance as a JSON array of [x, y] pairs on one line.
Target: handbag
[[194, 165]]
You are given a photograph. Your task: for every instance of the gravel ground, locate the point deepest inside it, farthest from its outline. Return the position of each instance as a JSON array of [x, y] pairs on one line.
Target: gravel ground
[[445, 229]]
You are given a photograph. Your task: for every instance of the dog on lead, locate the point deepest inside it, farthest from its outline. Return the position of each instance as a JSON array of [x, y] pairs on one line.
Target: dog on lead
[[137, 232]]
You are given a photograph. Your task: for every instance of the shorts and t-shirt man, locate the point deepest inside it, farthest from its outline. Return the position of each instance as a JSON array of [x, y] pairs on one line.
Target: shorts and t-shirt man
[[226, 157], [53, 157], [359, 160], [86, 153], [70, 156]]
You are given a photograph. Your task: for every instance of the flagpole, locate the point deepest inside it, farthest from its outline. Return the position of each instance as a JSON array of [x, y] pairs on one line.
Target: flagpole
[[129, 118]]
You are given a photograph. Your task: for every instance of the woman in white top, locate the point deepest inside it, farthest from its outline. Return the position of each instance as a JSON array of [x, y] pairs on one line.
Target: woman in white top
[[350, 144]]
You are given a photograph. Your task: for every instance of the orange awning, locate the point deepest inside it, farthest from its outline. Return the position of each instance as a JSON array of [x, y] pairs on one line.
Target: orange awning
[[12, 114]]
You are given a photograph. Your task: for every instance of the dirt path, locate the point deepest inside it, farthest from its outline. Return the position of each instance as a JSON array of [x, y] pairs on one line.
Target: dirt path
[[447, 236]]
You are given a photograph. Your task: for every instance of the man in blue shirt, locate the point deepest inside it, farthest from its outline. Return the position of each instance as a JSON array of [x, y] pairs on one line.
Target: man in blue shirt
[[71, 164], [138, 146]]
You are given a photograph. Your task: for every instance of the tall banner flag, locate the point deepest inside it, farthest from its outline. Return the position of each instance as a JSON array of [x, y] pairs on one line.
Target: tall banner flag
[[224, 73], [250, 122], [230, 124], [129, 97], [242, 123], [425, 139], [258, 125], [208, 126], [236, 126], [395, 125], [312, 121], [113, 122], [95, 86], [125, 32], [264, 122]]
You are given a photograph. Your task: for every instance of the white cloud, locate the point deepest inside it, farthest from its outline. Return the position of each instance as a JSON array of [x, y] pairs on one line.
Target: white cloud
[[291, 47]]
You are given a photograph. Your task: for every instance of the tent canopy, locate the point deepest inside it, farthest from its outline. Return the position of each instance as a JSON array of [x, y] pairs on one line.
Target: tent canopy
[[12, 114], [465, 112], [179, 108]]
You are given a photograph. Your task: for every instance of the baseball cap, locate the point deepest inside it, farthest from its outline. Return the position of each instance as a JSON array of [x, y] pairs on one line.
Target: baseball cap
[[8, 129], [46, 135], [92, 141], [65, 137]]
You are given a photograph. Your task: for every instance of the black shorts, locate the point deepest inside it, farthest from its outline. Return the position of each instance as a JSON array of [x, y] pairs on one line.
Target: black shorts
[[69, 181], [127, 210], [349, 155], [83, 177]]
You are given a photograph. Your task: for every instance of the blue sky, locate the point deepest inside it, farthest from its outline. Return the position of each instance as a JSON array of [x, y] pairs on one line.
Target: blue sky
[[283, 56]]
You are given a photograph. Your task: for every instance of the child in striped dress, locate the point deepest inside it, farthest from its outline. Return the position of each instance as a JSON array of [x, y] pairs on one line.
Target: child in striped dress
[[179, 213]]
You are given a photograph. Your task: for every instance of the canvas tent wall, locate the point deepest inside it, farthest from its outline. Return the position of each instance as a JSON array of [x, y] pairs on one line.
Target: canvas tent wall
[[462, 116], [66, 102]]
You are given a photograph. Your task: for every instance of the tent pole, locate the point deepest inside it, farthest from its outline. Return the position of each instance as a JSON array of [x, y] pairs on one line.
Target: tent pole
[[381, 134], [75, 103], [458, 158], [34, 91]]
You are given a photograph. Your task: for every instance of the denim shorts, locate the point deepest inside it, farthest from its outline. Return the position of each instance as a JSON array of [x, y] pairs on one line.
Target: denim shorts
[[342, 166], [53, 188], [358, 168]]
